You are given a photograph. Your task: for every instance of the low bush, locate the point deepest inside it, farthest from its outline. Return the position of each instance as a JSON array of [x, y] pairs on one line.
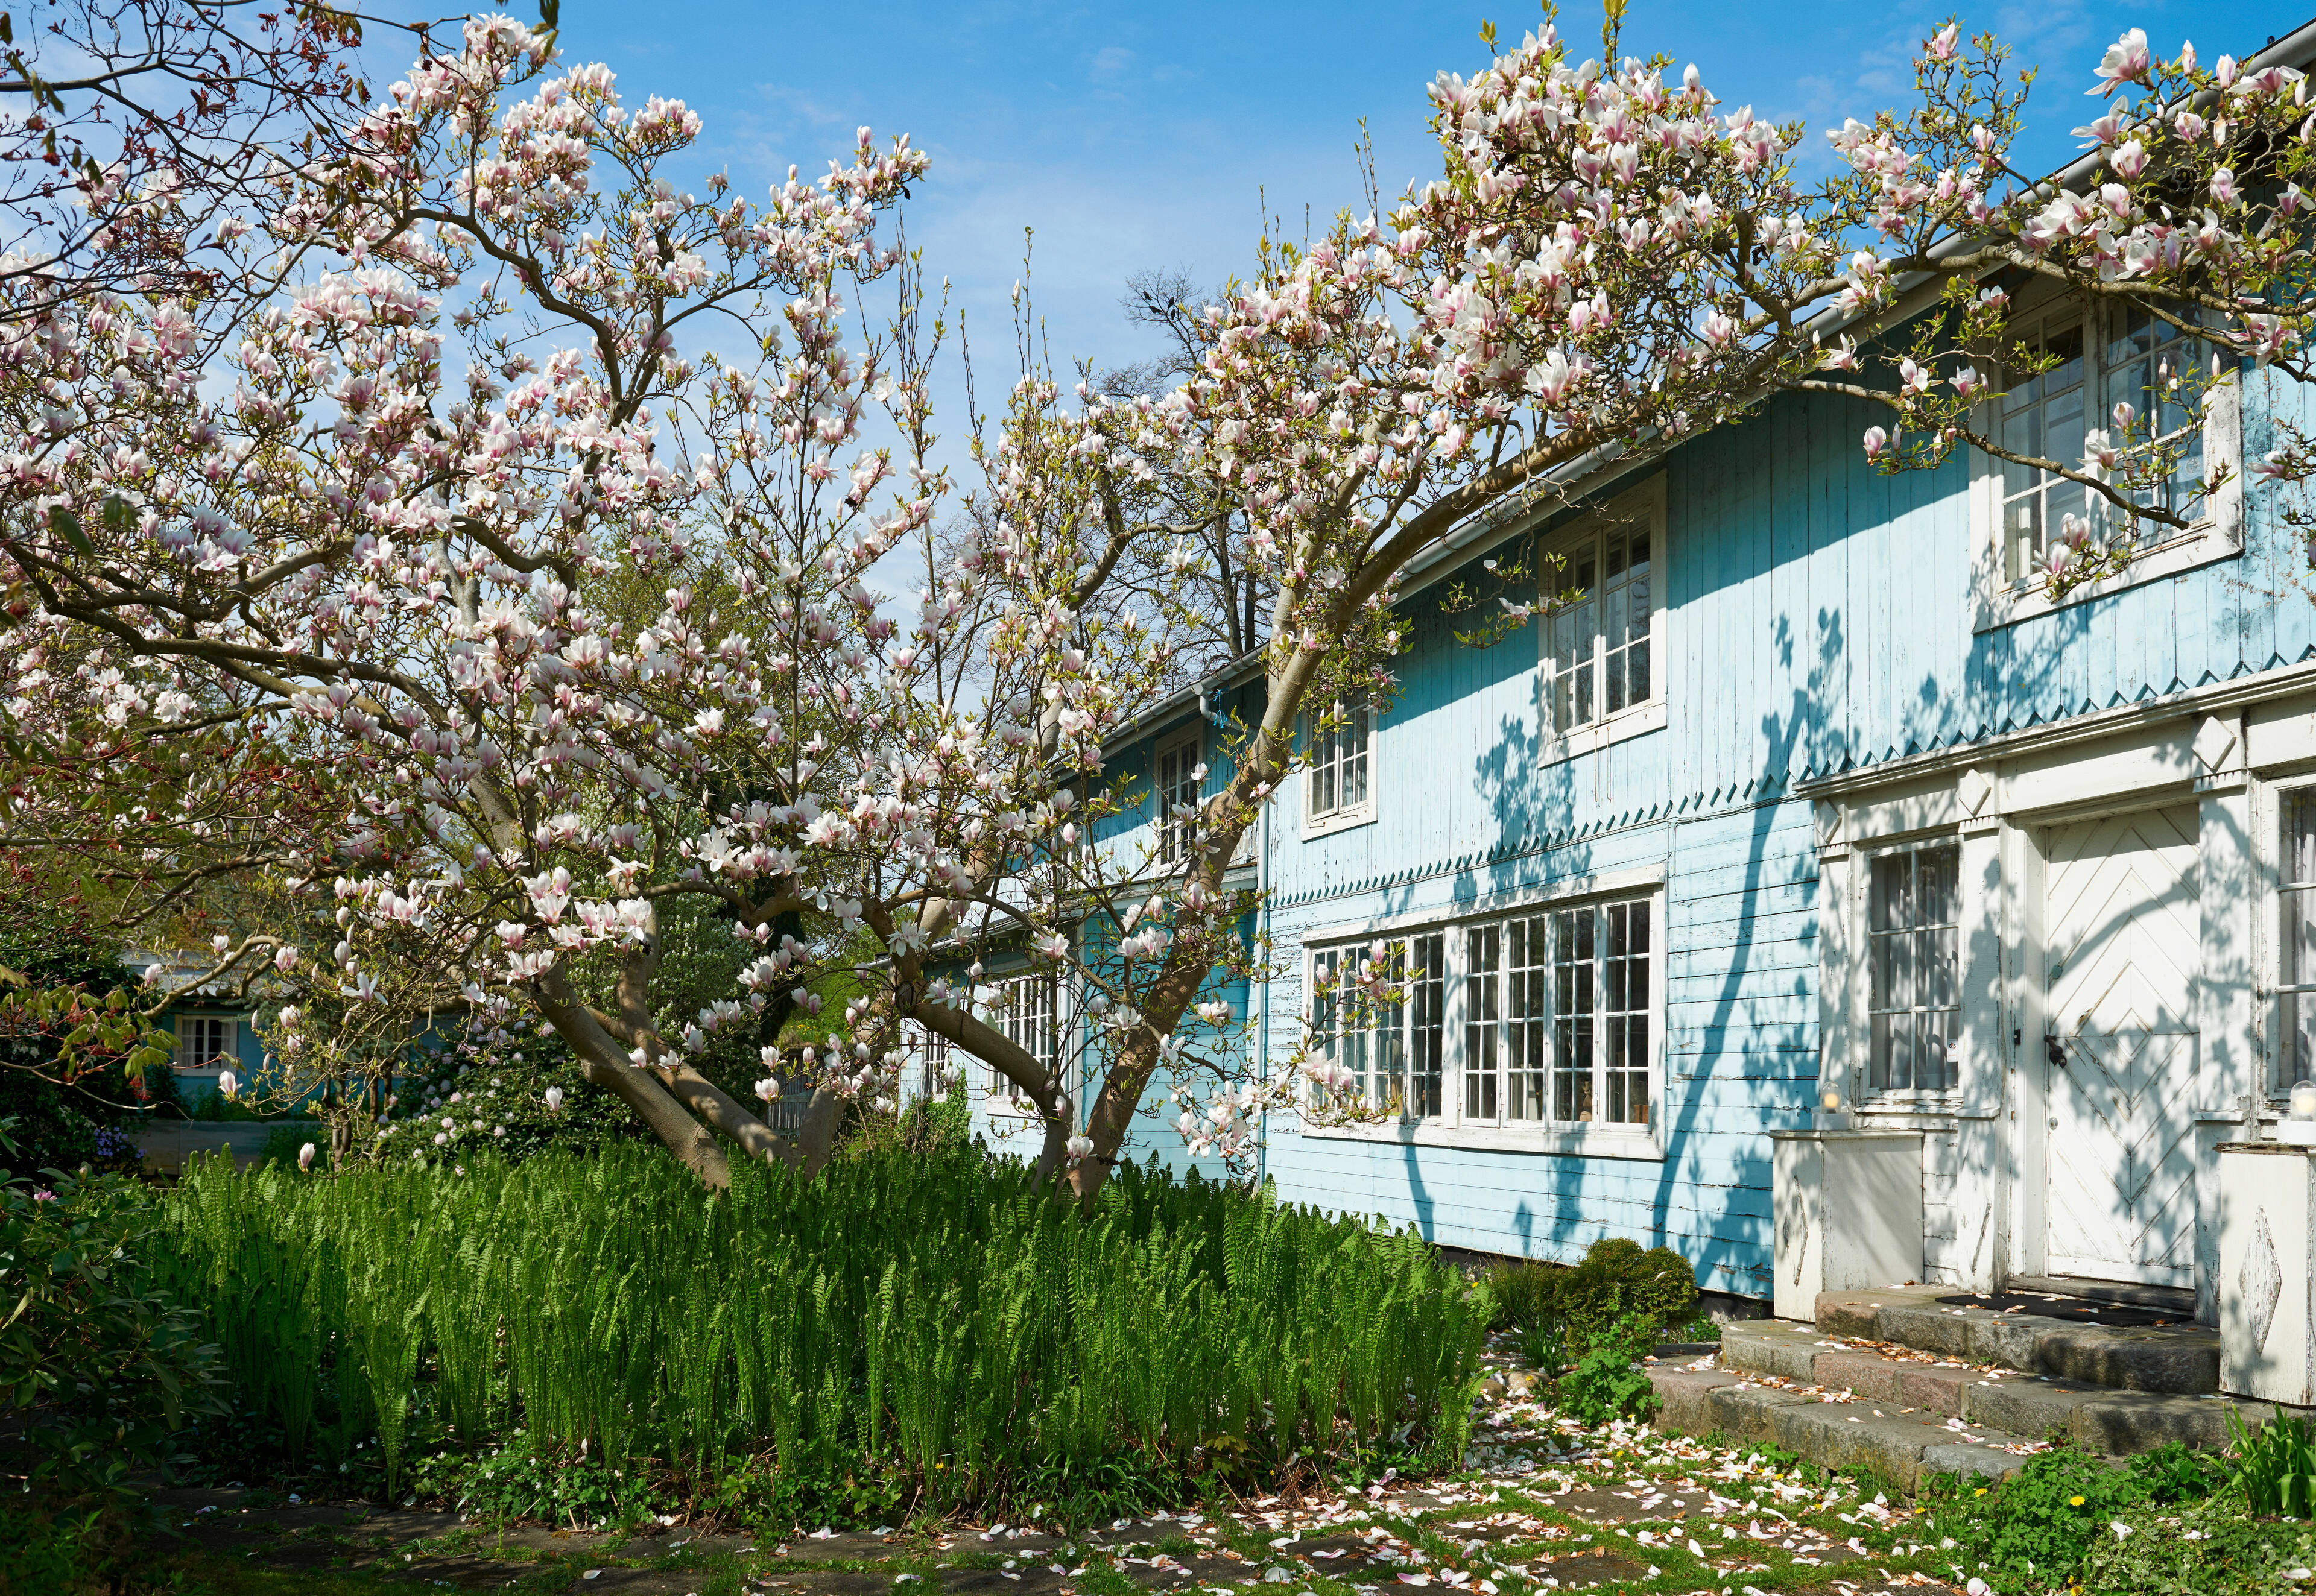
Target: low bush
[[925, 1319], [1559, 1312], [101, 1367]]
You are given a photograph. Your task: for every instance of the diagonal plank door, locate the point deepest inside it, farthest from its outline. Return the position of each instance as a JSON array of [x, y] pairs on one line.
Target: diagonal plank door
[[2122, 926]]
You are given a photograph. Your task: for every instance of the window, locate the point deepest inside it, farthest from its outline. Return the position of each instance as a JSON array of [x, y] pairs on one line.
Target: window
[[1601, 1048], [2108, 357], [1506, 1020], [930, 1050], [1022, 1008], [1337, 780], [1913, 948], [1556, 1020], [1394, 1048], [206, 1042], [1597, 660], [1178, 792], [2295, 1053]]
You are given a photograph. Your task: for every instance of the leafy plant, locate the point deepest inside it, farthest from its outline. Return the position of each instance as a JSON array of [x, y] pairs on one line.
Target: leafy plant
[[921, 1321], [101, 1366], [1617, 1279], [2042, 1524], [2276, 1466], [1607, 1381]]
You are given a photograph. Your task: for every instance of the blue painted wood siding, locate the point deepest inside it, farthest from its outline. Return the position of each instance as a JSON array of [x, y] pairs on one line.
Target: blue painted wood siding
[[1819, 617]]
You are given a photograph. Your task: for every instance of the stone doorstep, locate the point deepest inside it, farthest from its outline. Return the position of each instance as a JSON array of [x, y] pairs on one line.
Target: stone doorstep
[[1904, 1447], [2100, 1418], [2183, 1361]]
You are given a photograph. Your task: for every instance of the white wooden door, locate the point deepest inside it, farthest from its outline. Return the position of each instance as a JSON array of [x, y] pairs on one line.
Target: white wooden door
[[2122, 928]]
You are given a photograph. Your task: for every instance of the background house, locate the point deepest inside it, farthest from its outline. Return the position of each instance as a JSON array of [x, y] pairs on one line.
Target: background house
[[211, 1023], [1820, 788]]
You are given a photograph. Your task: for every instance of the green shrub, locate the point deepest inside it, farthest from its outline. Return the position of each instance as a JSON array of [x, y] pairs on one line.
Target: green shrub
[[926, 1318], [2275, 1467], [1607, 1381], [1617, 1279], [99, 1364]]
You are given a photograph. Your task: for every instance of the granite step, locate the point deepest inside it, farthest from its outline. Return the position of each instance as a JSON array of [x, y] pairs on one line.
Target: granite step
[[1905, 1381], [1904, 1450], [2122, 1347]]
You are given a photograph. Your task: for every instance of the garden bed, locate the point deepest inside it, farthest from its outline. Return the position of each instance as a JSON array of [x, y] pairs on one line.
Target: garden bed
[[931, 1324]]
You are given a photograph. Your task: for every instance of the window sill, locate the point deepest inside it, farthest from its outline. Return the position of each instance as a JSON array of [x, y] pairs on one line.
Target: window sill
[[1581, 1141], [2206, 545], [1342, 820], [1636, 722]]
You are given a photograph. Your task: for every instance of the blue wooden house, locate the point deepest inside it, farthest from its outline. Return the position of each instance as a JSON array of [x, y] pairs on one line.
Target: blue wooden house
[[211, 1026], [1818, 791]]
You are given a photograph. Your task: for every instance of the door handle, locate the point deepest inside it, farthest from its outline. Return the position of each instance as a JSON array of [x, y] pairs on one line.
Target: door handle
[[2055, 1049]]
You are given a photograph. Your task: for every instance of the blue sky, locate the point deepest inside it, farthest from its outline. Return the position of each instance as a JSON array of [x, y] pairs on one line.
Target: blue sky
[[1132, 135]]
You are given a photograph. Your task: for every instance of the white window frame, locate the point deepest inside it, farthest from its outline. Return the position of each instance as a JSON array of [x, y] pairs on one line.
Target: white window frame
[[1341, 816], [1847, 949], [1169, 788], [1034, 1026], [1399, 1054], [1642, 506], [1868, 942], [2217, 534], [2277, 1075], [228, 1055], [1458, 1123]]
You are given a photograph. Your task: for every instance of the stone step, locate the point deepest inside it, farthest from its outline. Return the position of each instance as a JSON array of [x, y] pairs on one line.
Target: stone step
[[2170, 1359], [2100, 1418], [1904, 1450]]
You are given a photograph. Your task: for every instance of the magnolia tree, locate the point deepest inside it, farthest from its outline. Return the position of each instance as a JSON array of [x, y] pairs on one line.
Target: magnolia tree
[[473, 602], [1610, 261], [574, 628]]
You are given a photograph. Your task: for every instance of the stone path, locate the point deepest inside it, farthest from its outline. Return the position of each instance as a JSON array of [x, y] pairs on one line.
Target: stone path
[[1552, 1509]]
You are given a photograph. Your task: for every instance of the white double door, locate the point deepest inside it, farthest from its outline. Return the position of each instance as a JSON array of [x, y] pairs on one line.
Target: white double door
[[2121, 935]]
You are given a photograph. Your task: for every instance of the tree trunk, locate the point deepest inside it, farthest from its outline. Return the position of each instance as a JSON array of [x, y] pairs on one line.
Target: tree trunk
[[606, 1065], [817, 1138]]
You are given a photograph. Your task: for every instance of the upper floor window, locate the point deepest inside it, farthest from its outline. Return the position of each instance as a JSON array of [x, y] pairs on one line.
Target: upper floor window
[[1179, 775], [2100, 357], [1596, 649], [1336, 780], [1913, 933], [1600, 641], [206, 1042]]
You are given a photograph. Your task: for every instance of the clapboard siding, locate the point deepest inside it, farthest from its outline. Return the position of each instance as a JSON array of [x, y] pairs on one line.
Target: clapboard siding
[[1817, 617]]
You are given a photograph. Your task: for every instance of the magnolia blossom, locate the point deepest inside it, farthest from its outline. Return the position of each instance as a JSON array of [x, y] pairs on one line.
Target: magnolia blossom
[[305, 1156]]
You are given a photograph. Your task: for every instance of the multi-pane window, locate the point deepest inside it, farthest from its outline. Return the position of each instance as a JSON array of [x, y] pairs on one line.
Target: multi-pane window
[[1555, 1017], [1177, 798], [1506, 1020], [1596, 649], [1337, 781], [1913, 937], [930, 1048], [1022, 1008], [1393, 1046], [2143, 362], [1601, 1035], [2295, 1053], [205, 1042]]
